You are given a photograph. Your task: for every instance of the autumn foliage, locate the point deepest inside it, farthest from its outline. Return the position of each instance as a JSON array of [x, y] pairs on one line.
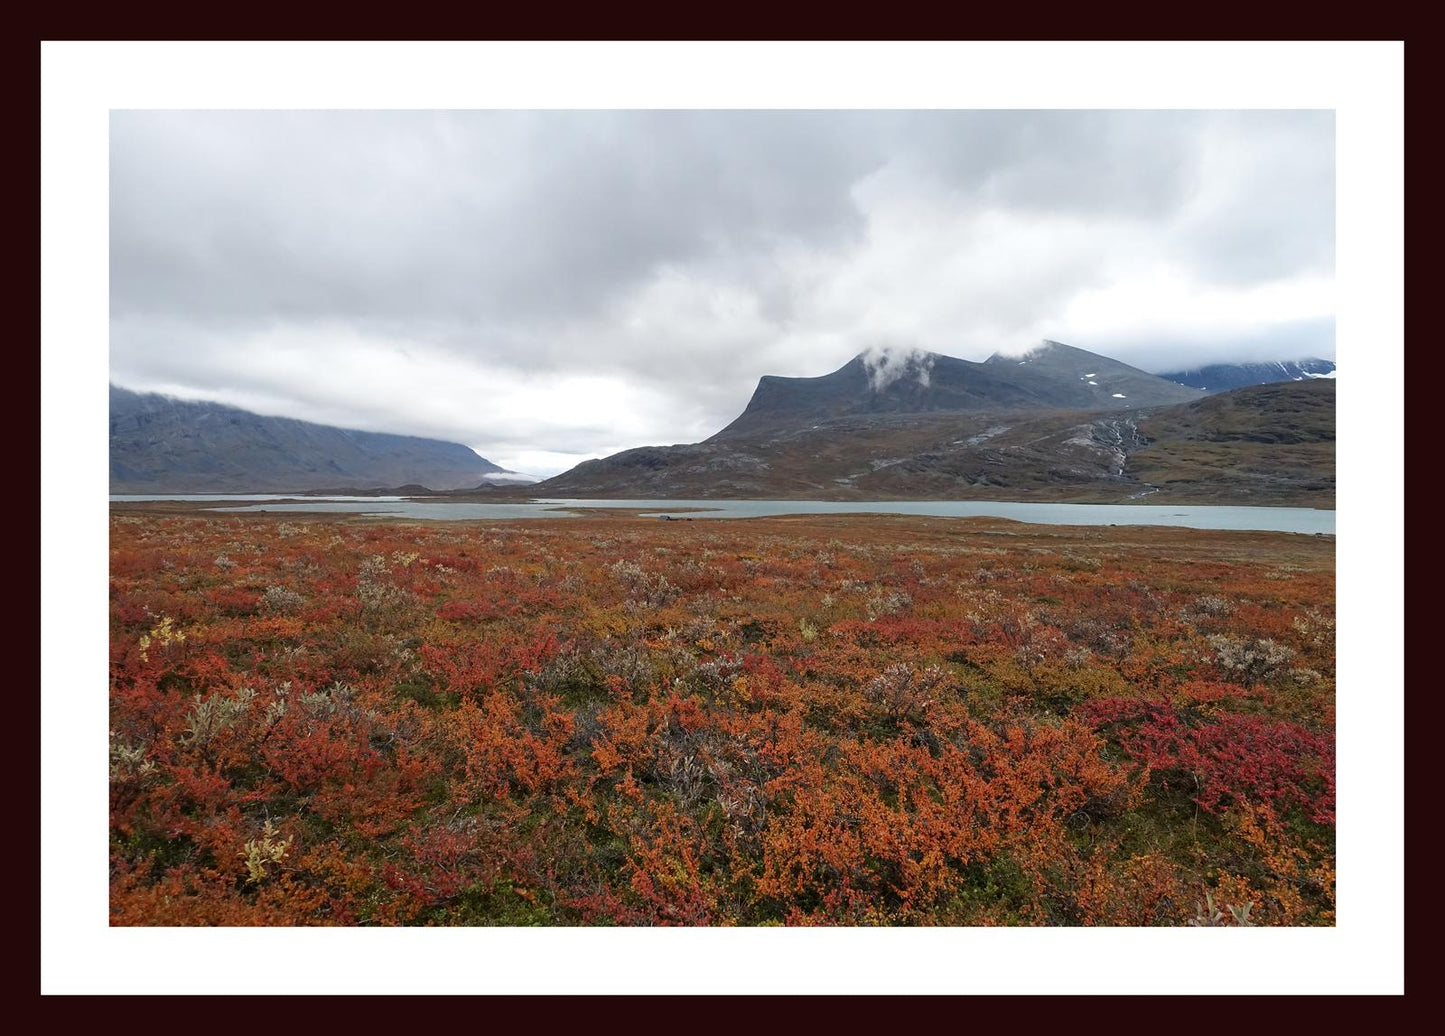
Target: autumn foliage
[[800, 721]]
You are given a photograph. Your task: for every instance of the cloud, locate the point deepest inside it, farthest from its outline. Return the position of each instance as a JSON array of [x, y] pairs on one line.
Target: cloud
[[887, 364], [551, 285]]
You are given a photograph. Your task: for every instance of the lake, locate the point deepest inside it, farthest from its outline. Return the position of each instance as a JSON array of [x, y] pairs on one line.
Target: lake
[[134, 498], [1265, 519]]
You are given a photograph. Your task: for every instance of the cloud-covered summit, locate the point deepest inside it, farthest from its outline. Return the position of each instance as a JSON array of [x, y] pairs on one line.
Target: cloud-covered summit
[[887, 364]]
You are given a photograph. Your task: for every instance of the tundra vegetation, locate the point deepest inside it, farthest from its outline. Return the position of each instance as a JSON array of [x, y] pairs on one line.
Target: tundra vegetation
[[615, 721]]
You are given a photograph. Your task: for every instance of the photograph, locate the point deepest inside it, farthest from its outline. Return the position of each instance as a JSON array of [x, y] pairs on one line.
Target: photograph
[[722, 518], [700, 517]]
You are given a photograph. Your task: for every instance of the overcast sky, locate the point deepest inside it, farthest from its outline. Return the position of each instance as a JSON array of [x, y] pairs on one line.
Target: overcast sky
[[551, 286]]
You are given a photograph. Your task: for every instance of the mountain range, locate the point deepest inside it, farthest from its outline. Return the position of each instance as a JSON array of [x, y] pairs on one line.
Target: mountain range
[[1220, 377], [1052, 377], [163, 445], [1055, 423]]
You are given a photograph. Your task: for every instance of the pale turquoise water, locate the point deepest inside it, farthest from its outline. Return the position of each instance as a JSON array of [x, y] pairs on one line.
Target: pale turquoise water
[[133, 498], [1266, 519]]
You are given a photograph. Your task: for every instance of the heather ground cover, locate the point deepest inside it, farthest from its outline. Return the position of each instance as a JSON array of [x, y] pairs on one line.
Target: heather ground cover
[[816, 720]]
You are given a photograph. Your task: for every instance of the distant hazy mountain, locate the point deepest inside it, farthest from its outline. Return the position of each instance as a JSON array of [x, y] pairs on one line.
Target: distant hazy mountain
[[1053, 376], [1221, 377], [1055, 424], [159, 444]]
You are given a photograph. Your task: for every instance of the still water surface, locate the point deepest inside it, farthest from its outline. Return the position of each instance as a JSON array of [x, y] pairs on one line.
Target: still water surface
[[1268, 519]]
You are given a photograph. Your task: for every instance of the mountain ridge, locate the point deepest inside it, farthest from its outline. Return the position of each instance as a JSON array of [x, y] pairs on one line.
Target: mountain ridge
[[1054, 376], [160, 443], [926, 426], [1221, 377]]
